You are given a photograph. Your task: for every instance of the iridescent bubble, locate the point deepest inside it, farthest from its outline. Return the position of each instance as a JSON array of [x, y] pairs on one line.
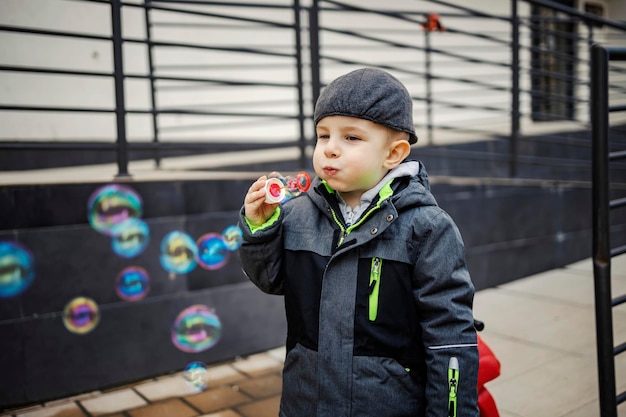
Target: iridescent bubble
[[132, 283], [178, 252], [276, 174], [196, 375], [111, 205], [81, 315], [130, 238], [212, 251], [233, 237], [17, 271], [196, 328]]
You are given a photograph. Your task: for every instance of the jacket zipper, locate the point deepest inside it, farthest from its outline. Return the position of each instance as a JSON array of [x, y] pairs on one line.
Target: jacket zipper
[[342, 229], [346, 231], [375, 275]]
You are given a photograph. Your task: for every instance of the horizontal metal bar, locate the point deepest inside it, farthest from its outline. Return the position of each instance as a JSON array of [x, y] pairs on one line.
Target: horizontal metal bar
[[62, 146], [139, 111], [227, 4], [556, 97], [621, 107], [417, 48], [213, 113], [620, 250], [54, 71], [394, 14], [485, 85], [210, 48], [478, 35], [362, 36], [223, 81], [111, 146], [617, 53], [17, 29], [614, 156], [55, 109], [620, 202], [452, 105], [619, 349], [618, 300], [560, 34], [466, 11], [219, 16], [219, 125]]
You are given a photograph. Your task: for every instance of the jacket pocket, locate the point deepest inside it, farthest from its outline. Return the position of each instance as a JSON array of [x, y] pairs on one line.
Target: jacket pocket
[[299, 394], [374, 287], [383, 387]]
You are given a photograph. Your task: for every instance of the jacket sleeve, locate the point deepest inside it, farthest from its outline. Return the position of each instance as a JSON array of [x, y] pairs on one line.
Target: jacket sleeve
[[261, 252], [444, 294]]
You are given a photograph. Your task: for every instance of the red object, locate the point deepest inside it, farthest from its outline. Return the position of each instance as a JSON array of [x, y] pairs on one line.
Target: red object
[[488, 369], [433, 23], [274, 190]]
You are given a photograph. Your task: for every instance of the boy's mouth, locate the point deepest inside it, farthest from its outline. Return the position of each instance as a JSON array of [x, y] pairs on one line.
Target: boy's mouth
[[330, 170]]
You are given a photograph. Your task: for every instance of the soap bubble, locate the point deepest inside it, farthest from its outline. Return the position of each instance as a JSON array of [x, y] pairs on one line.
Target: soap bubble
[[212, 251], [81, 315], [111, 205], [233, 237], [130, 238], [17, 271], [196, 375], [132, 283], [196, 328], [178, 252]]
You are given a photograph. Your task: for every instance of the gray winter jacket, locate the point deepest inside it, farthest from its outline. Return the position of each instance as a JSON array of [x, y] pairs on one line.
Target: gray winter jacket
[[375, 310]]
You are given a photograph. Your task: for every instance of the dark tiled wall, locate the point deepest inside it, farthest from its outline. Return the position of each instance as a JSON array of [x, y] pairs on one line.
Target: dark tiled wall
[[510, 232]]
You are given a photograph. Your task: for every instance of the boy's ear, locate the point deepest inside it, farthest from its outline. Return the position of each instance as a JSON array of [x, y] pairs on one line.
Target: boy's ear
[[398, 151]]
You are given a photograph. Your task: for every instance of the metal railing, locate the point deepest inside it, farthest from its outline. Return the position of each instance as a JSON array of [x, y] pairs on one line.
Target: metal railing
[[476, 84], [226, 76], [172, 125], [602, 204]]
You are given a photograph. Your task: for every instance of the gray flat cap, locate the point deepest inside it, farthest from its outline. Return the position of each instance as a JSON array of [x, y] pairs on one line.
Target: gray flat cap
[[371, 94]]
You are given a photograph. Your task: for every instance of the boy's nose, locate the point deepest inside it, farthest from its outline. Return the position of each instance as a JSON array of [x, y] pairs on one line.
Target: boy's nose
[[331, 148]]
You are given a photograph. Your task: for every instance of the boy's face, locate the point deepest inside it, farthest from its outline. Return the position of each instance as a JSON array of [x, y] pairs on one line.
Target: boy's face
[[353, 154]]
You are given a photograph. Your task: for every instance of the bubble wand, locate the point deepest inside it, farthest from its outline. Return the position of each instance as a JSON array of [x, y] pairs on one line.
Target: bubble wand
[[279, 189]]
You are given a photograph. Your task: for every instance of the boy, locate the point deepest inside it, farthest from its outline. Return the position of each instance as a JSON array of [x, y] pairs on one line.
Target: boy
[[377, 295]]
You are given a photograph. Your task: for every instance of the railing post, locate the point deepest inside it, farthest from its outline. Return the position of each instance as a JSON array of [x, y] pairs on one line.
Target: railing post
[[429, 95], [601, 237], [314, 50], [153, 108], [590, 43], [515, 112], [301, 118], [118, 74]]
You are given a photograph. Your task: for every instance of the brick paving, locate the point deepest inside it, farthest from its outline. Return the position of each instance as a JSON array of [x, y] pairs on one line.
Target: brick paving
[[245, 387]]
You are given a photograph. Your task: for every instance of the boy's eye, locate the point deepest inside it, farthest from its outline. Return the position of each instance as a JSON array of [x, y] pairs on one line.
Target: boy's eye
[[352, 138], [323, 136]]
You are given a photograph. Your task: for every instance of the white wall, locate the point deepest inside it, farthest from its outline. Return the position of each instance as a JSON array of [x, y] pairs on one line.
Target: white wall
[[26, 89]]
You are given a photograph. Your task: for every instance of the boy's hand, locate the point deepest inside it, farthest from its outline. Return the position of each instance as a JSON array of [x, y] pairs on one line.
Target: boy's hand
[[257, 211]]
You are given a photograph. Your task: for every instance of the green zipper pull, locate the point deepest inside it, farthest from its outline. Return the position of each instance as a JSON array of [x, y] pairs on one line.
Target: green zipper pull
[[375, 273], [342, 236]]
